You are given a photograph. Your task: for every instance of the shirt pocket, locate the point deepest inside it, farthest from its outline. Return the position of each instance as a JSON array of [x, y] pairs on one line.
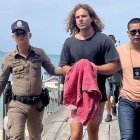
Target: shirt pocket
[[36, 69], [18, 72]]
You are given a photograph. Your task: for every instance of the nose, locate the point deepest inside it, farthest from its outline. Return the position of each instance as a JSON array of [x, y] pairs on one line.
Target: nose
[[137, 33], [80, 18]]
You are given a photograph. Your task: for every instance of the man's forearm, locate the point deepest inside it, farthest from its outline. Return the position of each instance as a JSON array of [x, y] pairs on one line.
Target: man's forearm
[[108, 69], [2, 86]]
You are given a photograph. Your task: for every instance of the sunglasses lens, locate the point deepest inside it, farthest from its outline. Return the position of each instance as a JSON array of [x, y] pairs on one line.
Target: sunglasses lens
[[134, 32]]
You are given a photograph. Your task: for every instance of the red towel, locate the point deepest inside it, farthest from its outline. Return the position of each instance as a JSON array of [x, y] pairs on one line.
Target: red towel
[[81, 89]]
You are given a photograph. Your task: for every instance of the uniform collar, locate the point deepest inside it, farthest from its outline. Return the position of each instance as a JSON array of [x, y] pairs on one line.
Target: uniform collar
[[16, 52]]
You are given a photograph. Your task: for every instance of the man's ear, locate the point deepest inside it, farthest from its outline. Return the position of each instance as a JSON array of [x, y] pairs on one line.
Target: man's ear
[[13, 37], [128, 34], [92, 19], [30, 35]]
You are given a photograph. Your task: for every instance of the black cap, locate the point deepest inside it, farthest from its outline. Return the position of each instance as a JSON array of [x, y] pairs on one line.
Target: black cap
[[20, 24]]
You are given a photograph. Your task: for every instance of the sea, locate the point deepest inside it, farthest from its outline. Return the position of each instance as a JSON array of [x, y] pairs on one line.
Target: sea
[[54, 59]]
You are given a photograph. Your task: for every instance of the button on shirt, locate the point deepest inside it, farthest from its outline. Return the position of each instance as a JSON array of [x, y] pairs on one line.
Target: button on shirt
[[26, 72]]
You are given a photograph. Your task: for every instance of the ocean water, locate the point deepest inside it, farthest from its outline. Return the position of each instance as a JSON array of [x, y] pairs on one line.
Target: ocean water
[[1, 98], [54, 59]]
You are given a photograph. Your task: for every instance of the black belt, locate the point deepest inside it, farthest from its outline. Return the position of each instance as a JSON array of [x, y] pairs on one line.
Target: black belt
[[27, 99]]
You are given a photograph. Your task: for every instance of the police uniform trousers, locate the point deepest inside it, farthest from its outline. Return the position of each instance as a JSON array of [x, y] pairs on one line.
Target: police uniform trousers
[[18, 114]]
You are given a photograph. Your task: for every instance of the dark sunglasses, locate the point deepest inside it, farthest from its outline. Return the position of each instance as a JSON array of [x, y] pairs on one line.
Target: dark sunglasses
[[20, 32], [134, 32]]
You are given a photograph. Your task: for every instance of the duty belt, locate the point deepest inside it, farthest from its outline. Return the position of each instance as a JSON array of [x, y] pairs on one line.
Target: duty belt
[[27, 99]]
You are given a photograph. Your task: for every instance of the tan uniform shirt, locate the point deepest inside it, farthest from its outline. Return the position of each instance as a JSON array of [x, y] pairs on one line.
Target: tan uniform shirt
[[129, 58], [26, 72]]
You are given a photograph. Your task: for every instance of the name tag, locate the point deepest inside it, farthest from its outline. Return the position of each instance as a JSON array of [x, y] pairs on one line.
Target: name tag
[[136, 72]]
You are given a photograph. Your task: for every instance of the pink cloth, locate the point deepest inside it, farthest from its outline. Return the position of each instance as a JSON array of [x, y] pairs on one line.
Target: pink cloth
[[81, 89]]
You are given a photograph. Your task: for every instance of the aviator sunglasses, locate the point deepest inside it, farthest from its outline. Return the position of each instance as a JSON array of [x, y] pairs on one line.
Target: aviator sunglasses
[[134, 31], [20, 32]]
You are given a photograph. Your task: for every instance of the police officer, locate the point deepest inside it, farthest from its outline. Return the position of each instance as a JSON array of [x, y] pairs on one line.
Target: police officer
[[25, 65]]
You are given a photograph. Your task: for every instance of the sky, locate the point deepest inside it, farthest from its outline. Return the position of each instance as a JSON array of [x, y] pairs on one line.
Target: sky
[[46, 19]]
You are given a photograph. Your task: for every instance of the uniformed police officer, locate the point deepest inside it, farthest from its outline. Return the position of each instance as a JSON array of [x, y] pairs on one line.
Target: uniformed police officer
[[25, 65]]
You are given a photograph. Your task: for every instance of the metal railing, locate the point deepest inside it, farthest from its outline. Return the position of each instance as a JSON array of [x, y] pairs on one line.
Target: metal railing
[[54, 101]]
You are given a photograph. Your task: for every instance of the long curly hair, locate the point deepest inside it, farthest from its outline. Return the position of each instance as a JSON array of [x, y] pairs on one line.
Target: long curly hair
[[70, 24]]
